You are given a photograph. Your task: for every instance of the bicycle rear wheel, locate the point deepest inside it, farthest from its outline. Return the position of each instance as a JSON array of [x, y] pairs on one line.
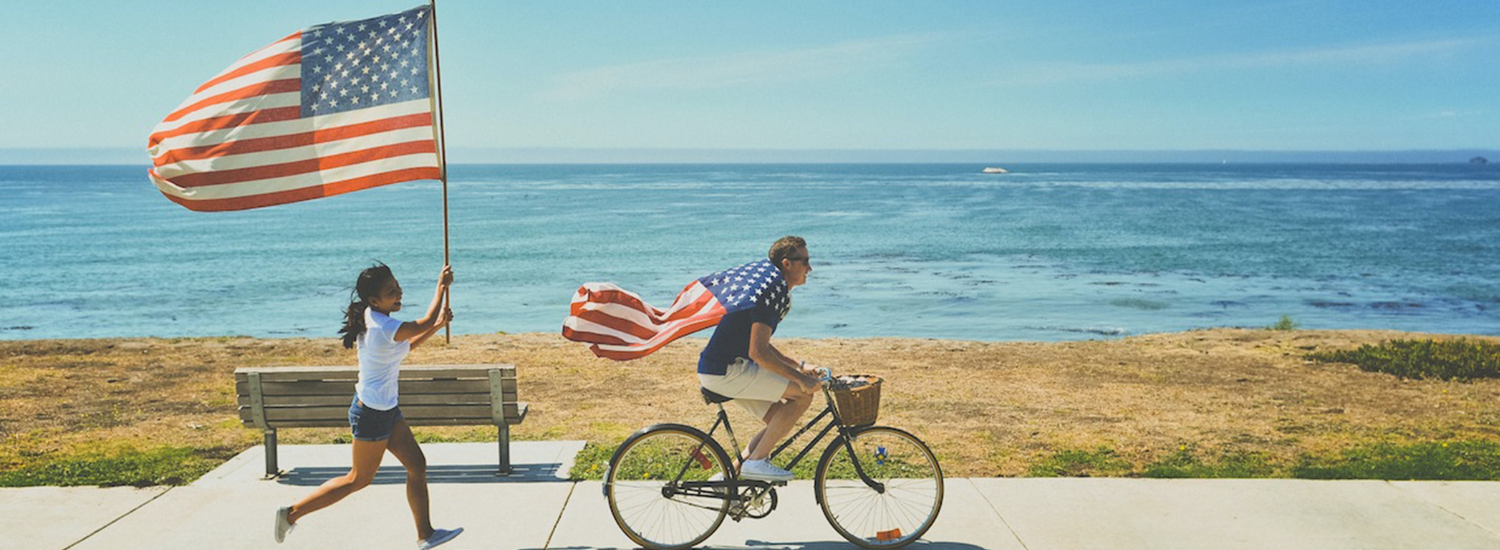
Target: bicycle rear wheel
[[645, 491], [893, 515]]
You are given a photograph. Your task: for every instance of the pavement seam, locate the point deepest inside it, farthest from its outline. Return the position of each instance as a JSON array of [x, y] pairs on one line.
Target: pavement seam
[[122, 516], [1012, 530], [560, 513], [1433, 504]]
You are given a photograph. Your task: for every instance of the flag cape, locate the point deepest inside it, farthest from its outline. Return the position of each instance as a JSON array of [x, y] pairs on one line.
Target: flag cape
[[618, 324], [330, 109]]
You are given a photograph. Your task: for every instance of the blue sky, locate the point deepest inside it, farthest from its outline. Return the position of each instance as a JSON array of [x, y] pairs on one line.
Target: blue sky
[[1289, 76]]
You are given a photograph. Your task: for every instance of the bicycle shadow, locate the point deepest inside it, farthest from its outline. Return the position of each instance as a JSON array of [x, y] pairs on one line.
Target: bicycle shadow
[[808, 545]]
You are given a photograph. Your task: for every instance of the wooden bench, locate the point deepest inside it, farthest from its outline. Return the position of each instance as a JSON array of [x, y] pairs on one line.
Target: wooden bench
[[431, 395]]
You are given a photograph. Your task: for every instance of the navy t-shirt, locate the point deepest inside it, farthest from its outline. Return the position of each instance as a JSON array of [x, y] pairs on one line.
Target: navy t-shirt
[[731, 339]]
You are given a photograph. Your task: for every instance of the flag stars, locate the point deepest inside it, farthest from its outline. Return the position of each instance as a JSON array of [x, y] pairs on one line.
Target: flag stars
[[365, 69]]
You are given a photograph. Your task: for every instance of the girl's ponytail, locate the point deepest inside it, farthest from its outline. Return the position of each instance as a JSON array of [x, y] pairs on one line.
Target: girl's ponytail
[[354, 323], [370, 281]]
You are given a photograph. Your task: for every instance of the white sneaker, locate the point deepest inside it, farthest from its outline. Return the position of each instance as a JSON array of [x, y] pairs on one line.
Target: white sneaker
[[765, 471], [282, 525], [439, 536]]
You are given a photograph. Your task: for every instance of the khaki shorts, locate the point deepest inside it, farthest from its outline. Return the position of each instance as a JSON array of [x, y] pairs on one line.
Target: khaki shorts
[[753, 387]]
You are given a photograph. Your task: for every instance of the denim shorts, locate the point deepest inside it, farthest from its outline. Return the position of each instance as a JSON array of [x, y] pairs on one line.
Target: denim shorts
[[371, 424]]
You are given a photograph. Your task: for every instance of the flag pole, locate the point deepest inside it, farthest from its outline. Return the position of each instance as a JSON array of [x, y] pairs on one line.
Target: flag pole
[[435, 77]]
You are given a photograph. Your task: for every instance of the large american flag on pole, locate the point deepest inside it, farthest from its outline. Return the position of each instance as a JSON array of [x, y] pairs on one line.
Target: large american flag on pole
[[619, 325], [331, 109]]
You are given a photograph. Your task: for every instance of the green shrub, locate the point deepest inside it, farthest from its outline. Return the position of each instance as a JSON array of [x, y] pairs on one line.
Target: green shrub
[[1184, 464], [1446, 360], [590, 463], [1076, 463], [140, 468], [1286, 323], [1472, 460]]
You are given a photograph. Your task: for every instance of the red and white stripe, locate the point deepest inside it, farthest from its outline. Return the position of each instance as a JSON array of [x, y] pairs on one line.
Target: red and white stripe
[[240, 142], [621, 326]]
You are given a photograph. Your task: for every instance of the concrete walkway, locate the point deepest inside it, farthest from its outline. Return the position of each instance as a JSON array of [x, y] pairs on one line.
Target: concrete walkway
[[232, 507]]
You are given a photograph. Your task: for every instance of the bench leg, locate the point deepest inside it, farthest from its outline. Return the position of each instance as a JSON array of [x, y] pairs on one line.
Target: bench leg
[[504, 450], [271, 469]]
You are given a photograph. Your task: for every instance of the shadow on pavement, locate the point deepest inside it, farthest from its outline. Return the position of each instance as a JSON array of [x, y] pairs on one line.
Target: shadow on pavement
[[814, 545], [458, 473]]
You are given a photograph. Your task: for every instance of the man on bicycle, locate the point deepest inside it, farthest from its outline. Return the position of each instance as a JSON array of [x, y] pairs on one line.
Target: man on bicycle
[[741, 363]]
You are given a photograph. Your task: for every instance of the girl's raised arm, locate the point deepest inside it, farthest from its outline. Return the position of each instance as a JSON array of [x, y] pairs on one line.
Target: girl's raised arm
[[434, 317]]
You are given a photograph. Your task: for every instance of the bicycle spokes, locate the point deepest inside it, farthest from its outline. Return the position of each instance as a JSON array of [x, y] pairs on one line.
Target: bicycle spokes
[[661, 488], [899, 501]]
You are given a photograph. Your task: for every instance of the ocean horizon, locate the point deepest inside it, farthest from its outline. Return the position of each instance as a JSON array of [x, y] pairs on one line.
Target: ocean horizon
[[1048, 252]]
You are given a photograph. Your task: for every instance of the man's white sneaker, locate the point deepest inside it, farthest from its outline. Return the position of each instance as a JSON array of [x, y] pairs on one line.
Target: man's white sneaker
[[765, 471], [439, 536], [282, 525]]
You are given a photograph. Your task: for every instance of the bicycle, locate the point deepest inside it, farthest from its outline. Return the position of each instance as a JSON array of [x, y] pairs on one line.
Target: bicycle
[[670, 486]]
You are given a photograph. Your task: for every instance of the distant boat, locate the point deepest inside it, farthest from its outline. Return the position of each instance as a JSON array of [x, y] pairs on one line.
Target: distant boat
[[996, 170]]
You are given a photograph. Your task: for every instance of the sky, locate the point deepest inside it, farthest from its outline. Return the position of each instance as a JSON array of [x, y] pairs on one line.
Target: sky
[[826, 75]]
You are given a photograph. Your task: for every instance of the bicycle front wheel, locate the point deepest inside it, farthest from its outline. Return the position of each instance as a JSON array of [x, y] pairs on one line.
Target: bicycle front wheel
[[904, 503], [646, 491]]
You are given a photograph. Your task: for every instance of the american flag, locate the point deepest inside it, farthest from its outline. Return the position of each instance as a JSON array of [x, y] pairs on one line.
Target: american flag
[[621, 326], [331, 109]]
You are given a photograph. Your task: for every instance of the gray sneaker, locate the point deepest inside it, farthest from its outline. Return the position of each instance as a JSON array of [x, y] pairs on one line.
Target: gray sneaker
[[282, 525], [763, 470], [439, 536]]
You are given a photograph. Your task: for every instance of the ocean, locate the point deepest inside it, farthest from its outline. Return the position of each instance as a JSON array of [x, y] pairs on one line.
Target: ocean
[[1047, 252]]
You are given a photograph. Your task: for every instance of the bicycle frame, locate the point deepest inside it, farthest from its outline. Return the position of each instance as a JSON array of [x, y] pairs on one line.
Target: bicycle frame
[[706, 488]]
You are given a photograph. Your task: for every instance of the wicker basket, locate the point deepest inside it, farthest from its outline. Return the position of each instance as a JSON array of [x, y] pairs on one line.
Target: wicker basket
[[859, 406]]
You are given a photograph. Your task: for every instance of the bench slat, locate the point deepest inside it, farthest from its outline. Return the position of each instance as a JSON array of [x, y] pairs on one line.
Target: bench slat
[[343, 399], [346, 387], [419, 415], [281, 374]]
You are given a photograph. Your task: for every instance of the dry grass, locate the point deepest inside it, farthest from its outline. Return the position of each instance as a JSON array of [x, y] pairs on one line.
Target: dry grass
[[988, 409]]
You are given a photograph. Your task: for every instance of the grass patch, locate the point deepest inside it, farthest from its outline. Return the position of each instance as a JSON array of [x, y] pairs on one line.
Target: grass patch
[[1432, 460], [589, 464], [1186, 464], [139, 468], [1102, 461], [1286, 323], [1445, 360]]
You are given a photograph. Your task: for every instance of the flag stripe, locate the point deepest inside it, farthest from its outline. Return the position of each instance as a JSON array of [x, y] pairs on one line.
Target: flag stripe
[[625, 353], [290, 71], [236, 127], [289, 43], [627, 321], [253, 90], [276, 185], [606, 339], [622, 326], [619, 325], [247, 202], [243, 152], [308, 166], [232, 118], [280, 60]]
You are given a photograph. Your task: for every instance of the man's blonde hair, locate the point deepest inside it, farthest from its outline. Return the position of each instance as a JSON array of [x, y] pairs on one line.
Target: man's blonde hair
[[784, 248]]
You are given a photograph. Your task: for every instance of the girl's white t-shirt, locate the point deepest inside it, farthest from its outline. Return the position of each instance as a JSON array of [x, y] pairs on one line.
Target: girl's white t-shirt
[[380, 357]]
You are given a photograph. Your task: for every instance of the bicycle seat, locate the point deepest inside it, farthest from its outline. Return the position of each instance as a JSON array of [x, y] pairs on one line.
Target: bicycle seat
[[711, 397]]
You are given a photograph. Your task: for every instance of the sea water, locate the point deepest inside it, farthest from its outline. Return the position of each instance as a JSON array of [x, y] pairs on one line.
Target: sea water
[[1046, 252]]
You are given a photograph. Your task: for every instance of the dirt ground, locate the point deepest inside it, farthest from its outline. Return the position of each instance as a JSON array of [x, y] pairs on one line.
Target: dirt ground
[[988, 409]]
